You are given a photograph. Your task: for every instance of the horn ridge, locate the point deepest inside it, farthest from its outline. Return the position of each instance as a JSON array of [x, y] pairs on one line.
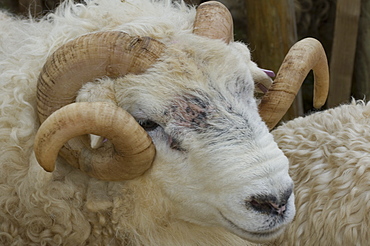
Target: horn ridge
[[88, 57]]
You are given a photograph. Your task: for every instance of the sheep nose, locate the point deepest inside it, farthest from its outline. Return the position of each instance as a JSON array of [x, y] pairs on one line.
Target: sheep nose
[[268, 207], [270, 204]]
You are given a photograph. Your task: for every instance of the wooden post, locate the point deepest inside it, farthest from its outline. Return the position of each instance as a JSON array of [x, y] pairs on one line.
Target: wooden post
[[9, 5], [193, 2], [271, 31], [343, 51], [361, 83]]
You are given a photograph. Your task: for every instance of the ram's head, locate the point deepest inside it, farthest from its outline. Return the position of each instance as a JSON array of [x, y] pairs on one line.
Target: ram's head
[[182, 113]]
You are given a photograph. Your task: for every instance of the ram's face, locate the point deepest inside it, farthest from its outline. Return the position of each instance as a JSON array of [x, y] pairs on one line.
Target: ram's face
[[215, 157], [199, 134], [212, 154], [201, 137]]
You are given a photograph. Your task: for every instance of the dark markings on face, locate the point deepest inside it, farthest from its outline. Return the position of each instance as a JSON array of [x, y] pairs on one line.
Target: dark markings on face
[[186, 113], [190, 111], [195, 112]]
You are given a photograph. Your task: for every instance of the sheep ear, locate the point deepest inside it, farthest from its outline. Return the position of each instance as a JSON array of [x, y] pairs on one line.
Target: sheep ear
[[262, 79]]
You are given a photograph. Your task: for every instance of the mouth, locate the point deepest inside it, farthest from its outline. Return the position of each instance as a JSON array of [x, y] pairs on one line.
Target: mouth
[[260, 236]]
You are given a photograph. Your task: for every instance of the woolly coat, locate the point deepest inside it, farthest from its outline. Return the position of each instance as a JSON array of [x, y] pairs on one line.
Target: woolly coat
[[328, 153]]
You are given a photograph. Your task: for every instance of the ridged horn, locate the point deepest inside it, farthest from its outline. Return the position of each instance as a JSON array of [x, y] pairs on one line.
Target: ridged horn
[[132, 145], [88, 57], [307, 54], [84, 59], [214, 20]]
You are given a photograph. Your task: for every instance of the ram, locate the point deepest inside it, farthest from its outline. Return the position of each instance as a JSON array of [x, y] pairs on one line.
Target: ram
[[179, 154]]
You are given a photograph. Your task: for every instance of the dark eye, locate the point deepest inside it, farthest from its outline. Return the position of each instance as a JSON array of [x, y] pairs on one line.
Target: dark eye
[[148, 125]]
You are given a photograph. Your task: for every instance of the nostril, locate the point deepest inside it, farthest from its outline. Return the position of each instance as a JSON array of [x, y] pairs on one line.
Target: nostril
[[279, 208], [261, 206], [267, 206]]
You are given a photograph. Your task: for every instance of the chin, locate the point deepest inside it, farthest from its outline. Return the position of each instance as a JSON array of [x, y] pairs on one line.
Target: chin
[[258, 237]]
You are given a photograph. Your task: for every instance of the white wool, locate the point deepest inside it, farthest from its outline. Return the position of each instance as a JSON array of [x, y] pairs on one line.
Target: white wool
[[329, 155]]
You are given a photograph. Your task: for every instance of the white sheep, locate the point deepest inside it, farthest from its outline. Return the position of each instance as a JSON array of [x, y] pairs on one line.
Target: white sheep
[[213, 153], [329, 155], [215, 176]]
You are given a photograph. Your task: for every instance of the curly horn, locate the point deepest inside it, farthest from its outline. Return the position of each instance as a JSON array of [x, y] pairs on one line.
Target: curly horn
[[84, 59], [132, 145], [307, 54], [214, 20], [88, 57]]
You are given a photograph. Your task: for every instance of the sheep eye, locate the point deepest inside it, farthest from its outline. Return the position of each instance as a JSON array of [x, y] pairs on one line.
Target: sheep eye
[[148, 125]]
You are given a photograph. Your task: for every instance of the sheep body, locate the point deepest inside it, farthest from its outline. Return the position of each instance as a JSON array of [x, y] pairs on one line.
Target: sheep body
[[329, 154]]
